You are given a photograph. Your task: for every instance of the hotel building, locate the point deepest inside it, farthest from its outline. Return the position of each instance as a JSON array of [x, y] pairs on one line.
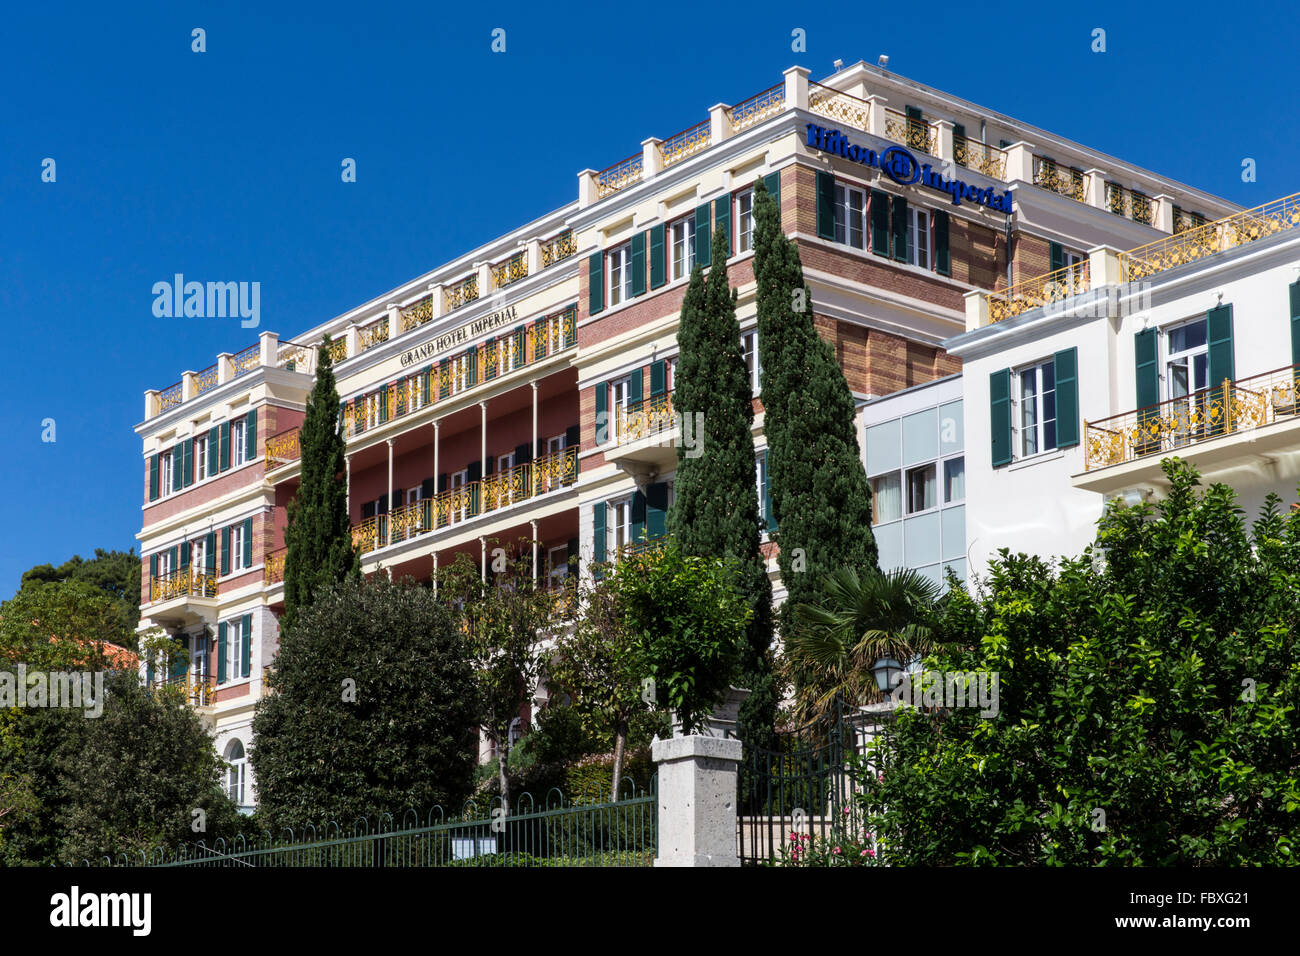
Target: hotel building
[[524, 389]]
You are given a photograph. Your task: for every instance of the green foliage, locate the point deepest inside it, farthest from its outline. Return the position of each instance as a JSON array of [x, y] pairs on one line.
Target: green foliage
[[1162, 690], [318, 537], [373, 708], [820, 495], [116, 573], [589, 780], [715, 510], [62, 625], [846, 846], [688, 626]]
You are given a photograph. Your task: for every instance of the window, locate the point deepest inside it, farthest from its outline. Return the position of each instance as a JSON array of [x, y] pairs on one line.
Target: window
[[760, 471], [165, 474], [197, 554], [886, 498], [954, 480], [237, 547], [620, 274], [1187, 373], [620, 525], [237, 441], [1033, 413], [554, 445], [918, 237], [745, 221], [235, 647], [618, 405], [164, 563], [459, 480], [201, 458], [753, 363], [236, 772], [921, 490], [682, 236], [850, 216], [557, 565]]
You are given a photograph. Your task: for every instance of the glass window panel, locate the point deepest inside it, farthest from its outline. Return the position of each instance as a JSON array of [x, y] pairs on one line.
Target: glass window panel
[[921, 540], [954, 480], [886, 498], [921, 436], [954, 531], [952, 428], [921, 489], [883, 452], [889, 545]]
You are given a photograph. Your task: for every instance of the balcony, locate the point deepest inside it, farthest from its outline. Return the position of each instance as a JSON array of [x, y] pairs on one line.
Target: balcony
[[490, 495], [913, 133], [199, 690], [558, 249], [282, 449], [512, 270], [1064, 181], [757, 108], [645, 436], [460, 293], [843, 108], [373, 334], [273, 567], [1039, 291], [414, 316], [1232, 425], [183, 597]]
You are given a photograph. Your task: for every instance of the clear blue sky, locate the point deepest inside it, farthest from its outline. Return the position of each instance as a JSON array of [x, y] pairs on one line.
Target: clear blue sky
[[225, 165]]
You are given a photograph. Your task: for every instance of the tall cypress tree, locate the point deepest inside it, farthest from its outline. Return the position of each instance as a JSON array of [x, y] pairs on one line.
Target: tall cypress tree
[[820, 496], [715, 509], [319, 532]]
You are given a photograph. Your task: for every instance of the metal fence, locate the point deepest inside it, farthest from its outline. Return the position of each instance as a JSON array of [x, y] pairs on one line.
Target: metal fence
[[620, 833]]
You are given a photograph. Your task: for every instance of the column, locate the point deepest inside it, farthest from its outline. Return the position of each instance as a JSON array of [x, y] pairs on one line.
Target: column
[[436, 427], [697, 800], [394, 321], [536, 450], [876, 114], [1164, 213], [533, 525], [1020, 162], [347, 485], [225, 368], [482, 431], [977, 310], [587, 187], [652, 160], [435, 574], [796, 88], [719, 123], [189, 386], [268, 344], [945, 145], [482, 550], [389, 499]]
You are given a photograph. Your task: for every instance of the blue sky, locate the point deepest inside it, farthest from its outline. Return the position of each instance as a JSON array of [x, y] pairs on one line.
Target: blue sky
[[225, 165]]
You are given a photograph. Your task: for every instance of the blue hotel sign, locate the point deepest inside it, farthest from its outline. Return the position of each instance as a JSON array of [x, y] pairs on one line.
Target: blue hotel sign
[[903, 168]]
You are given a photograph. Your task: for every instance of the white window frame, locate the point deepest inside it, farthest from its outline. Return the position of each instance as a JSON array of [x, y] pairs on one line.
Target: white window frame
[[760, 472], [943, 480], [197, 556], [619, 508], [753, 360], [846, 217], [237, 547], [907, 489], [199, 665], [237, 774], [200, 458], [1018, 429], [554, 445], [744, 221], [237, 428], [619, 389], [235, 648], [455, 481], [897, 474], [165, 474], [681, 238], [918, 225], [620, 274], [165, 563], [1187, 356]]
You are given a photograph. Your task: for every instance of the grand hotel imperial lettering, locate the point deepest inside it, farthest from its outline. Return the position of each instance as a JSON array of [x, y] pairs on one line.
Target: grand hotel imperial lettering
[[465, 333]]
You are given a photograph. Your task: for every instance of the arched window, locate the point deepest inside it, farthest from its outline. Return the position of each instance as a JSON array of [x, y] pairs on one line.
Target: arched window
[[236, 773]]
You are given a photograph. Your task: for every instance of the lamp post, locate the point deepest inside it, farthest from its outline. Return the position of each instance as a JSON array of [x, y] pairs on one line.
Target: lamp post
[[887, 673]]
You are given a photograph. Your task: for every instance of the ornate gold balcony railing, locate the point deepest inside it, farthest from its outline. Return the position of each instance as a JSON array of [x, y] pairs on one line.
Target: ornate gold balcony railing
[[686, 143], [247, 360], [448, 508], [1185, 221], [199, 690], [838, 107], [1060, 179], [170, 397], [561, 247], [338, 350], [373, 334], [512, 270], [620, 175], [461, 293], [650, 416], [413, 316], [273, 569], [282, 448], [757, 108], [1129, 204], [1039, 291], [981, 157], [469, 370], [205, 380], [1205, 240], [296, 358], [181, 583], [911, 132], [1171, 426]]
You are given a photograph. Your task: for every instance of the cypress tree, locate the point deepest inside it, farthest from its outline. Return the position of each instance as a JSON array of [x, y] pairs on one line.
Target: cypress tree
[[715, 510], [319, 533], [820, 497]]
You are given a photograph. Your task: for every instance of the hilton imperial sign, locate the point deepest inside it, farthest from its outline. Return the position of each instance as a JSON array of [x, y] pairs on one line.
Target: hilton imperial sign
[[902, 167], [456, 336]]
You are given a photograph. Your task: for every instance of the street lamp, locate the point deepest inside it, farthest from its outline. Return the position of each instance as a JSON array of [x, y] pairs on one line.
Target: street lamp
[[887, 672]]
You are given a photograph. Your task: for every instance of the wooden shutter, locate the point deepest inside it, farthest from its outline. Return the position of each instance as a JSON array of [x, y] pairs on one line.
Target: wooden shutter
[[879, 222], [1067, 397], [1000, 416], [187, 460], [178, 466], [1295, 322], [210, 552], [153, 477], [634, 383], [658, 377], [942, 259], [598, 531], [767, 491], [898, 221], [572, 436], [221, 653], [214, 451], [773, 183], [638, 264], [658, 256], [1147, 383], [602, 413], [596, 282], [248, 643], [638, 516], [825, 205], [656, 521], [1219, 332], [722, 219], [185, 556], [250, 436], [224, 460], [702, 236], [225, 550], [248, 543]]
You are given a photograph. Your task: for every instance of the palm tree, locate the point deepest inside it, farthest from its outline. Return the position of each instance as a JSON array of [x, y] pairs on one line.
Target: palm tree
[[857, 622]]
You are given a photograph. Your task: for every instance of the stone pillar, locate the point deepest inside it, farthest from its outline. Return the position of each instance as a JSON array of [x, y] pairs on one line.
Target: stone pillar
[[796, 88], [189, 386], [152, 403], [586, 188], [352, 341], [876, 115], [225, 368], [435, 297], [652, 160], [945, 144], [1020, 162], [394, 321], [977, 310], [719, 123], [1164, 217], [268, 345], [1094, 187], [697, 800], [534, 246], [1103, 267]]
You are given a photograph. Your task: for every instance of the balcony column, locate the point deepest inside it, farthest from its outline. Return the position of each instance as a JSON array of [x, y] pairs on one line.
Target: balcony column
[[482, 432], [536, 451], [533, 523], [1020, 162], [1164, 217], [796, 88], [225, 368], [268, 347], [189, 386], [977, 310], [652, 160], [587, 187], [389, 499], [482, 552], [347, 485], [435, 300], [436, 427], [719, 123], [435, 574], [945, 142], [394, 321], [534, 256], [152, 402], [876, 114], [1094, 187], [352, 339]]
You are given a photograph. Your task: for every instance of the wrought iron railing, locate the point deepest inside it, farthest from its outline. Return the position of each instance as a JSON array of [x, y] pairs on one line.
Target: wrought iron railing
[[205, 380], [199, 690], [512, 270], [282, 448], [461, 293], [273, 569], [413, 316], [1064, 180], [686, 143], [1185, 221], [913, 133], [1039, 291], [338, 350], [561, 247], [757, 108], [247, 359], [495, 493], [170, 397], [1201, 241], [650, 416], [1129, 203], [839, 107], [182, 582], [619, 176], [373, 334], [1224, 409], [981, 157]]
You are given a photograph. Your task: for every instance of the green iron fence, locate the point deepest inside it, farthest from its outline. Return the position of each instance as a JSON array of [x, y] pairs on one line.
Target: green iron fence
[[620, 833]]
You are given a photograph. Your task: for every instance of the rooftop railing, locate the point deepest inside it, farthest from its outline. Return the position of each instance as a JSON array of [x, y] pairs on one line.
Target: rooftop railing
[[559, 248], [619, 176], [839, 107], [686, 143], [1129, 203], [913, 133], [247, 360], [282, 448], [170, 397], [1063, 180], [757, 108], [460, 293], [981, 157], [512, 270], [414, 316], [1039, 291], [376, 333], [205, 380]]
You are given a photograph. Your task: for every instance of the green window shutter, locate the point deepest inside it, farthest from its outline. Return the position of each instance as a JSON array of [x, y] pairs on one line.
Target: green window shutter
[[767, 492], [175, 558], [656, 520], [1147, 381], [638, 264], [444, 378], [224, 458], [250, 436], [248, 543], [210, 552], [638, 517], [942, 259], [153, 477], [1055, 256], [225, 550], [153, 568], [521, 345], [658, 377], [602, 413], [178, 467], [221, 653], [598, 531], [722, 219], [1219, 333], [185, 555], [634, 383], [383, 404], [471, 359], [214, 453], [248, 643], [490, 366], [1000, 416], [1067, 398], [188, 455], [879, 222], [825, 205], [703, 239], [1295, 322], [658, 256], [773, 183], [426, 383], [899, 223], [539, 340], [595, 282]]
